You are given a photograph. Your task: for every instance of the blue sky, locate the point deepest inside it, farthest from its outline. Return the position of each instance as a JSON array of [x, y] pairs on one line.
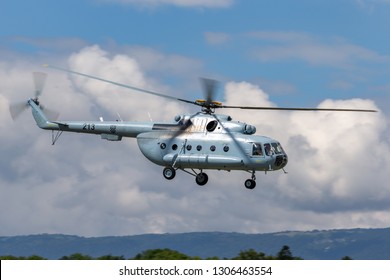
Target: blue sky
[[265, 53], [350, 37]]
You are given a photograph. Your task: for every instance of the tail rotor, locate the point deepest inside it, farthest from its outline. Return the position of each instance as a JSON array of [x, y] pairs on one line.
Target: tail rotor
[[17, 108], [39, 82]]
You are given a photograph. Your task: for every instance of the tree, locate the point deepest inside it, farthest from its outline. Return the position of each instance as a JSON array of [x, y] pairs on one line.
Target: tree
[[250, 254], [9, 258], [35, 257], [32, 257], [285, 254], [161, 254], [110, 257], [76, 256]]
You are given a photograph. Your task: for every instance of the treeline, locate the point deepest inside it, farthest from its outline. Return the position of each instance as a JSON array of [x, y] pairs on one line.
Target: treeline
[[168, 254]]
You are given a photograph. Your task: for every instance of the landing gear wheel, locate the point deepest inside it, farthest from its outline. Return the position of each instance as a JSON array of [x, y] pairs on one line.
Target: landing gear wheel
[[201, 179], [169, 173], [250, 184]]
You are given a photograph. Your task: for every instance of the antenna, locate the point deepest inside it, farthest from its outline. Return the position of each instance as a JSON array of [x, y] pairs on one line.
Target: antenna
[[119, 117]]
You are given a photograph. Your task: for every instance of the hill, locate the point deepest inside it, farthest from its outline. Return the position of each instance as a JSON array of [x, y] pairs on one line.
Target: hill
[[324, 244]]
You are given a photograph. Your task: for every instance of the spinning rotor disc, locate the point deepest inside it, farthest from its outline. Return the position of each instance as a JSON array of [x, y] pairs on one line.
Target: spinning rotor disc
[[209, 104]]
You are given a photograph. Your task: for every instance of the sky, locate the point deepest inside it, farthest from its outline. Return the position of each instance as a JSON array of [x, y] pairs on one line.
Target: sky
[[264, 53]]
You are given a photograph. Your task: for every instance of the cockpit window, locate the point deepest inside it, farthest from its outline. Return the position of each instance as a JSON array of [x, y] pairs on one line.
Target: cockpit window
[[268, 149], [273, 148], [256, 149], [277, 148]]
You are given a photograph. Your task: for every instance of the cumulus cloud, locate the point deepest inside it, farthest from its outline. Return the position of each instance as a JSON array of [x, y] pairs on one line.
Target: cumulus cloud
[[337, 161], [122, 69], [337, 170]]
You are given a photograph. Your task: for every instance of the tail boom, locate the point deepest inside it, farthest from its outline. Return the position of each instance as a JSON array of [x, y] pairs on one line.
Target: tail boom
[[111, 130]]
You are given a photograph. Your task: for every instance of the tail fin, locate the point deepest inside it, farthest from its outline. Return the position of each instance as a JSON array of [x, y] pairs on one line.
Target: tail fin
[[39, 116]]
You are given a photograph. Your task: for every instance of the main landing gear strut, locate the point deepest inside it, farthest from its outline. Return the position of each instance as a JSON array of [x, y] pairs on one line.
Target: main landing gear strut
[[201, 178]]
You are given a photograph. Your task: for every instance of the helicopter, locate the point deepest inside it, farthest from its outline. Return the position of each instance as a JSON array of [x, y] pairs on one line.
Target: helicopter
[[190, 143]]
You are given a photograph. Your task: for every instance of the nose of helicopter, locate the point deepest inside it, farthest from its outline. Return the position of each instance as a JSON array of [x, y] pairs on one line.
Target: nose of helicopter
[[281, 161]]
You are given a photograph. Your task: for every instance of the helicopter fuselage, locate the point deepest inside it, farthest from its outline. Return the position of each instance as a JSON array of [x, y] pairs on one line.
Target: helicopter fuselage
[[212, 150], [200, 141]]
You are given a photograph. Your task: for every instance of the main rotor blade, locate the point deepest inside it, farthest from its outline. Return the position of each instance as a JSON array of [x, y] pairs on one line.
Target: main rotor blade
[[235, 141], [122, 85], [296, 109], [39, 82]]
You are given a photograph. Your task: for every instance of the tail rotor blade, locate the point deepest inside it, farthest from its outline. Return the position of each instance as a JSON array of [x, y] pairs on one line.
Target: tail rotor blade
[[51, 114], [16, 109], [39, 82]]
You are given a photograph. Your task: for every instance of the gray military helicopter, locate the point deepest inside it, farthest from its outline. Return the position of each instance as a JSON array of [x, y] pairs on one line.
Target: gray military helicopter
[[191, 143]]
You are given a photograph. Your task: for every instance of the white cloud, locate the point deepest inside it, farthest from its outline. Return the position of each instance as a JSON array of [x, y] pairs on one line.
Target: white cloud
[[216, 38], [337, 161], [122, 69], [337, 171], [334, 52], [164, 65]]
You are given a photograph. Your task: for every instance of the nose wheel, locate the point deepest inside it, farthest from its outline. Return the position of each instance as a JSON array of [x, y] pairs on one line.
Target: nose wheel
[[251, 183]]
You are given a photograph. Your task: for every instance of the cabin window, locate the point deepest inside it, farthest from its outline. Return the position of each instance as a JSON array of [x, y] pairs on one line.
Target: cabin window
[[189, 147], [212, 148], [163, 146], [199, 147], [226, 149], [256, 149], [174, 147]]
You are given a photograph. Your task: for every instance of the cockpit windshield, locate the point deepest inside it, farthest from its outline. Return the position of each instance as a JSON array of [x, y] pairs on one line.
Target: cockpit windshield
[[273, 148], [277, 148]]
